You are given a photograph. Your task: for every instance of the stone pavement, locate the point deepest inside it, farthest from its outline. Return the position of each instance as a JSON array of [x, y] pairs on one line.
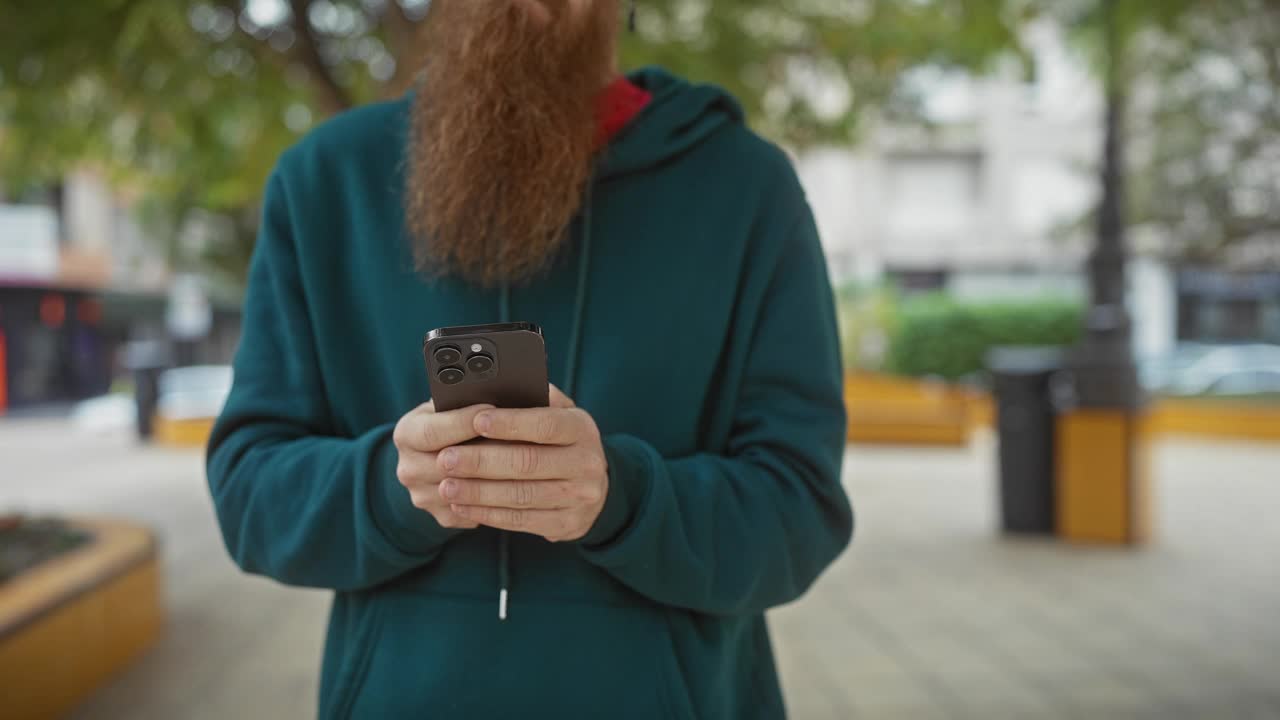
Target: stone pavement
[[930, 615]]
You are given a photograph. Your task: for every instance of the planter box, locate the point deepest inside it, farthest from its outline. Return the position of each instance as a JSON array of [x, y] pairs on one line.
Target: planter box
[[890, 410], [71, 623], [1217, 419], [186, 433]]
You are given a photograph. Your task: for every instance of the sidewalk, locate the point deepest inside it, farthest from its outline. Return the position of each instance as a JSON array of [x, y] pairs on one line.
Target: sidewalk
[[930, 615]]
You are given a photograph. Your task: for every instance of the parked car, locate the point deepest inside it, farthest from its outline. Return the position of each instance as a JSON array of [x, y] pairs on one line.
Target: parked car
[[1158, 372], [1215, 370], [1260, 381], [193, 393]]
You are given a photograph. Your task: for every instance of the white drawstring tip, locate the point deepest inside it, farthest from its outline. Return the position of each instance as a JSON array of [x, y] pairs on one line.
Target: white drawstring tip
[[502, 604]]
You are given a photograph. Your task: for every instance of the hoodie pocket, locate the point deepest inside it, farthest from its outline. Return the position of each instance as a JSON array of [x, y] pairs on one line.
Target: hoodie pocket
[[444, 657]]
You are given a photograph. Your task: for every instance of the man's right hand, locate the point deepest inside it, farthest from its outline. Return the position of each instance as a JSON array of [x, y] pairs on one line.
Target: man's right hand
[[419, 436]]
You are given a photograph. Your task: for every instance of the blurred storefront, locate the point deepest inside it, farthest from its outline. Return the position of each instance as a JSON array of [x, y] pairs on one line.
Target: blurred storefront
[[1222, 306], [51, 342], [51, 346], [78, 280]]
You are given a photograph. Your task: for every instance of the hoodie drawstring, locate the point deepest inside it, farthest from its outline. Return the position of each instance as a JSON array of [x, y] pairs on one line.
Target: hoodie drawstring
[[504, 542], [570, 374]]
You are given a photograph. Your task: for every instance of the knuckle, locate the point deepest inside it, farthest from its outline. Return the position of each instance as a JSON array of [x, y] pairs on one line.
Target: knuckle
[[595, 465], [403, 473], [564, 527], [430, 433], [523, 493], [592, 493], [544, 429], [517, 518], [586, 420], [526, 459], [467, 461]]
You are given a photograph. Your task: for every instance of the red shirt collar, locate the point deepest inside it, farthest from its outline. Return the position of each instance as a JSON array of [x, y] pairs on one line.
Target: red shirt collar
[[617, 105]]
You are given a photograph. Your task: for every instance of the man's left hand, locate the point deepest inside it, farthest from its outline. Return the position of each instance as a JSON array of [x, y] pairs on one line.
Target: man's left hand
[[546, 476]]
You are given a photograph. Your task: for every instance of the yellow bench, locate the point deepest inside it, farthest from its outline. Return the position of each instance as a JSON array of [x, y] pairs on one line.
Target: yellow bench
[[889, 410]]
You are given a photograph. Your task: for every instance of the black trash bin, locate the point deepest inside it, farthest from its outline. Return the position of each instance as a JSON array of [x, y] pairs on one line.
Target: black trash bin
[[146, 359], [1025, 424]]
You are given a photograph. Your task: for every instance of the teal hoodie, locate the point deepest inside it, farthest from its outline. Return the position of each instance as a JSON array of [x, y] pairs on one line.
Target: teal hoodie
[[690, 314]]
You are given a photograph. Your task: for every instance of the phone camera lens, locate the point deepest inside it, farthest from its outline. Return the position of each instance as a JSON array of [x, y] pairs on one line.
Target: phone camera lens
[[479, 363], [451, 375], [447, 355]]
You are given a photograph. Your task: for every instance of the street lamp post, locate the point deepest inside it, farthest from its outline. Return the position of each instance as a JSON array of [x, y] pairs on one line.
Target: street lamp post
[[1102, 365], [1100, 467]]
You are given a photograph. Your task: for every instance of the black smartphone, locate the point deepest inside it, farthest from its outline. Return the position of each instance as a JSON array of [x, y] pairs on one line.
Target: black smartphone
[[502, 364]]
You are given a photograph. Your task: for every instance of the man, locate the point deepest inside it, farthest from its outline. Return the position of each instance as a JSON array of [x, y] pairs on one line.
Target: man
[[685, 480]]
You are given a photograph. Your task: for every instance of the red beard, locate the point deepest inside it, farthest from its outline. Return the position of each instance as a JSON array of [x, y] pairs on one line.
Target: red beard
[[504, 134]]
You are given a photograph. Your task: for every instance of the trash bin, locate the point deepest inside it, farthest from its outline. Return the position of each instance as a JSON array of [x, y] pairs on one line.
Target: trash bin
[[146, 359], [1025, 425]]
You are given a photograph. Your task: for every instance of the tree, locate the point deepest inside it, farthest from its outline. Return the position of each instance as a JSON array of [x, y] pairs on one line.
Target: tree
[[1200, 85], [1208, 106], [187, 103]]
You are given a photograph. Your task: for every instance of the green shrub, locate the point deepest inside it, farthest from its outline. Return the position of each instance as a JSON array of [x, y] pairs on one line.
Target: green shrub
[[936, 335]]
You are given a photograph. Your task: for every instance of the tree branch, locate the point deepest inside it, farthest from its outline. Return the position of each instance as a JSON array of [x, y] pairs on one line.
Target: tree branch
[[333, 97]]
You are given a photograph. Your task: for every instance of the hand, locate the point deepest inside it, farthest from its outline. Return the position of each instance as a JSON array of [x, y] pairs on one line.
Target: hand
[[550, 477], [419, 437]]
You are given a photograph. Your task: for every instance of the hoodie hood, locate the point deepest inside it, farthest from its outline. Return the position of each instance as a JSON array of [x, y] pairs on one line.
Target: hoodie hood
[[680, 116]]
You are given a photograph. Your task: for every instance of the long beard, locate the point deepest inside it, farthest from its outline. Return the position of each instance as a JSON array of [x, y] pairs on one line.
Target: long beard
[[503, 135]]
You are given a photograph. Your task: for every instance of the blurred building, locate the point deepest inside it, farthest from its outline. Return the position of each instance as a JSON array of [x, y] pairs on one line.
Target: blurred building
[[983, 200], [78, 279], [991, 202]]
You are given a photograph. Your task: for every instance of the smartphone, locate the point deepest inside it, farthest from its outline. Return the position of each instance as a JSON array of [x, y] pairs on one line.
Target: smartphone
[[502, 364]]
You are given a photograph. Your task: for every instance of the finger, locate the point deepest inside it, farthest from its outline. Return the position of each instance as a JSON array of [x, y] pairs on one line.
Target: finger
[[509, 461], [429, 502], [559, 399], [514, 494], [450, 520], [429, 431], [544, 426], [416, 469], [537, 522]]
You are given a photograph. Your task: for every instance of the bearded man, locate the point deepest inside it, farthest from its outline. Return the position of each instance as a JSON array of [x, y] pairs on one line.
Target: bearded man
[[686, 480]]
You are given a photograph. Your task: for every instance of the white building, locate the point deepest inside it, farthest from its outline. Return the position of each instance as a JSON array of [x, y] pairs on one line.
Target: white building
[[988, 204]]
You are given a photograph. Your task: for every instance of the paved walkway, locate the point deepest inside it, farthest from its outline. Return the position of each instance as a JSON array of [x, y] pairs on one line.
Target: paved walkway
[[931, 615]]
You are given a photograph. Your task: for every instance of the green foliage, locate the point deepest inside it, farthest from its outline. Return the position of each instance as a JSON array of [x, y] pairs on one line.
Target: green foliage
[[809, 70], [937, 336], [1208, 171], [1204, 79], [187, 103]]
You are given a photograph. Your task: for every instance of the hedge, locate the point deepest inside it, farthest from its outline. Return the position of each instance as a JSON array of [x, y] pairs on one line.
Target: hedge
[[937, 336]]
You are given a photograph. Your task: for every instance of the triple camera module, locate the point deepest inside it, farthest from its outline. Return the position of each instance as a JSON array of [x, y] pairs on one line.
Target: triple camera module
[[452, 369]]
